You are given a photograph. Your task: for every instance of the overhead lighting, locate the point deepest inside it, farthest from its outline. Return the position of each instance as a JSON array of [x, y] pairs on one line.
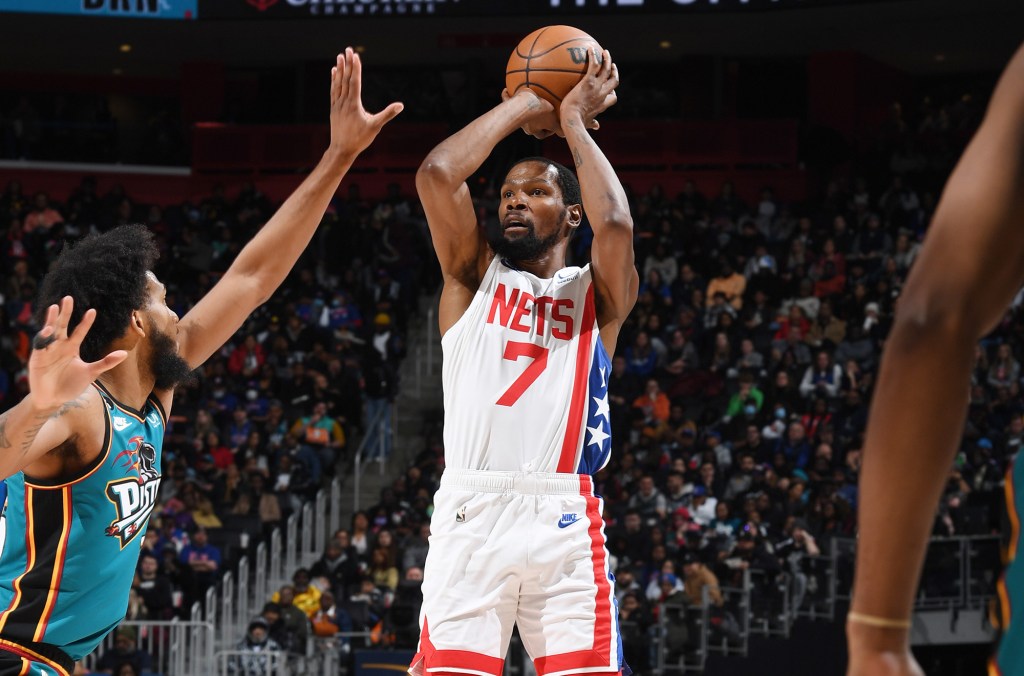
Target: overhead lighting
[[360, 49], [664, 44], [125, 48]]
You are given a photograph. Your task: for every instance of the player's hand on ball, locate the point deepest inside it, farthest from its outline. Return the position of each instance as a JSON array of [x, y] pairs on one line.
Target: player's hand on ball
[[56, 372], [352, 128], [595, 93], [544, 120]]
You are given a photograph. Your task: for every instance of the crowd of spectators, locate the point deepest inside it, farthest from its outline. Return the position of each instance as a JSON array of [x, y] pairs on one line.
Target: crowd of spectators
[[739, 398], [269, 419], [739, 392]]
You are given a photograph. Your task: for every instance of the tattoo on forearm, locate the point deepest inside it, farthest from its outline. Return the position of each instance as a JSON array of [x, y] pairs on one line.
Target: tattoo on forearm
[[74, 403], [38, 421], [577, 158], [30, 434]]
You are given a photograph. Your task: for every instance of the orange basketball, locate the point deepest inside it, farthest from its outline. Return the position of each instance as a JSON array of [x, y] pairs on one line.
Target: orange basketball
[[550, 61]]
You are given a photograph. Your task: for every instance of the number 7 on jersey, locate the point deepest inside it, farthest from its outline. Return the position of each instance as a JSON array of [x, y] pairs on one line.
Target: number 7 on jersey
[[513, 351]]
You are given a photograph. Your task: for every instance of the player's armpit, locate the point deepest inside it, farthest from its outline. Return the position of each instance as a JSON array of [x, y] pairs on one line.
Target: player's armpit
[[451, 218], [42, 432]]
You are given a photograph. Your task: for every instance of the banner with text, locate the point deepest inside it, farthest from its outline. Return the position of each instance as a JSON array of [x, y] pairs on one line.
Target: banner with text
[[133, 9], [294, 9]]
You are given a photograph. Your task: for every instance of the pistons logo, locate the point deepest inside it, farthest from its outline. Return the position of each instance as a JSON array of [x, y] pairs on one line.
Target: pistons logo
[[135, 496], [262, 5]]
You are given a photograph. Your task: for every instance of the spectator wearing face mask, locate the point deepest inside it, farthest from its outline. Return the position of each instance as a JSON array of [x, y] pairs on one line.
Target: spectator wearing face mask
[[748, 400], [777, 426]]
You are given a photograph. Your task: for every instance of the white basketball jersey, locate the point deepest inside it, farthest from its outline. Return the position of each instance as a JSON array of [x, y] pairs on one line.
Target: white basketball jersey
[[526, 376]]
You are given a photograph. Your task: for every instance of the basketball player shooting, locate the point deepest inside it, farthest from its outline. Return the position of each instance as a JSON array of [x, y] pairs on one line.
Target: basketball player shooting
[[970, 267], [516, 534], [81, 452]]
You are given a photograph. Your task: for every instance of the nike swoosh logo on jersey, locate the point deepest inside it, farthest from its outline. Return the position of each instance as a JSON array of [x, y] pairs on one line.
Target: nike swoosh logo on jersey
[[120, 423], [568, 520], [562, 277]]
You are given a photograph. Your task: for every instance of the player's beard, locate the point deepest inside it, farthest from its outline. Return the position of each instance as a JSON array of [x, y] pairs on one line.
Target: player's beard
[[168, 367], [527, 247]]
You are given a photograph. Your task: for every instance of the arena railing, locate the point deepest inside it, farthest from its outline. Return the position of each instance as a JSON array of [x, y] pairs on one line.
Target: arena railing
[[230, 595], [718, 632], [177, 648], [376, 429], [236, 600], [291, 540], [261, 584], [249, 663], [960, 572], [685, 634], [819, 599], [424, 353], [771, 603]]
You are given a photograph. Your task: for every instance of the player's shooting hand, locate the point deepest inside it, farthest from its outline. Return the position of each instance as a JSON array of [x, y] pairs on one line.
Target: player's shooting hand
[[595, 93], [56, 372], [352, 128], [543, 117]]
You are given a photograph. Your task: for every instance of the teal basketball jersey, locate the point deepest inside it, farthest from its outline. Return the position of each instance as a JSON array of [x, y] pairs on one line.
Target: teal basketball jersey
[[71, 547], [1009, 655]]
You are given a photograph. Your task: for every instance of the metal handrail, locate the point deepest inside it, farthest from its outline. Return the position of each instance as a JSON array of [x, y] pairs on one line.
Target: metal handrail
[[357, 470], [335, 507], [276, 565], [177, 647], [307, 540], [260, 585], [291, 544], [965, 596], [242, 611], [249, 663], [322, 522], [228, 610]]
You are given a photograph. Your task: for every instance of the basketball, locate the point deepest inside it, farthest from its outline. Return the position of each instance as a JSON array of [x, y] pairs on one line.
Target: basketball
[[550, 61]]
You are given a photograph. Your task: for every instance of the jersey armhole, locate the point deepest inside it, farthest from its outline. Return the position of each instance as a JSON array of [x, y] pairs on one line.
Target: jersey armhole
[[479, 297], [86, 471], [155, 400]]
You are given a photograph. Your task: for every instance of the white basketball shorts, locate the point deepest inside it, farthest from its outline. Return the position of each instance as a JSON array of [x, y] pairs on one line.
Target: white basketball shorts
[[512, 548]]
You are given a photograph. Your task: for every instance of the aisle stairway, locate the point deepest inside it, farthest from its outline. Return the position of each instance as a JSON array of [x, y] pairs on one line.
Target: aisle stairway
[[419, 399]]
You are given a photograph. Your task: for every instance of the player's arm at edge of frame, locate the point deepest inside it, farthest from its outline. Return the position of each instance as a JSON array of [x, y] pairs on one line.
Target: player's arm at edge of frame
[[970, 267]]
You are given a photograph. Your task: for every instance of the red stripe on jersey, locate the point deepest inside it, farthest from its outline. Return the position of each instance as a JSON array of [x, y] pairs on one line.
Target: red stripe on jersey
[[600, 655], [585, 351]]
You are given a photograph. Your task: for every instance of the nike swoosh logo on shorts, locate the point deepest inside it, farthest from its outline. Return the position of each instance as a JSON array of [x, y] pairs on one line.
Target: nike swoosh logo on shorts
[[568, 520]]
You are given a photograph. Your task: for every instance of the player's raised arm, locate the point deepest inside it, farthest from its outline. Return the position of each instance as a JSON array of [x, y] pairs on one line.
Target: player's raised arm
[[970, 267], [604, 200], [441, 183], [266, 260]]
